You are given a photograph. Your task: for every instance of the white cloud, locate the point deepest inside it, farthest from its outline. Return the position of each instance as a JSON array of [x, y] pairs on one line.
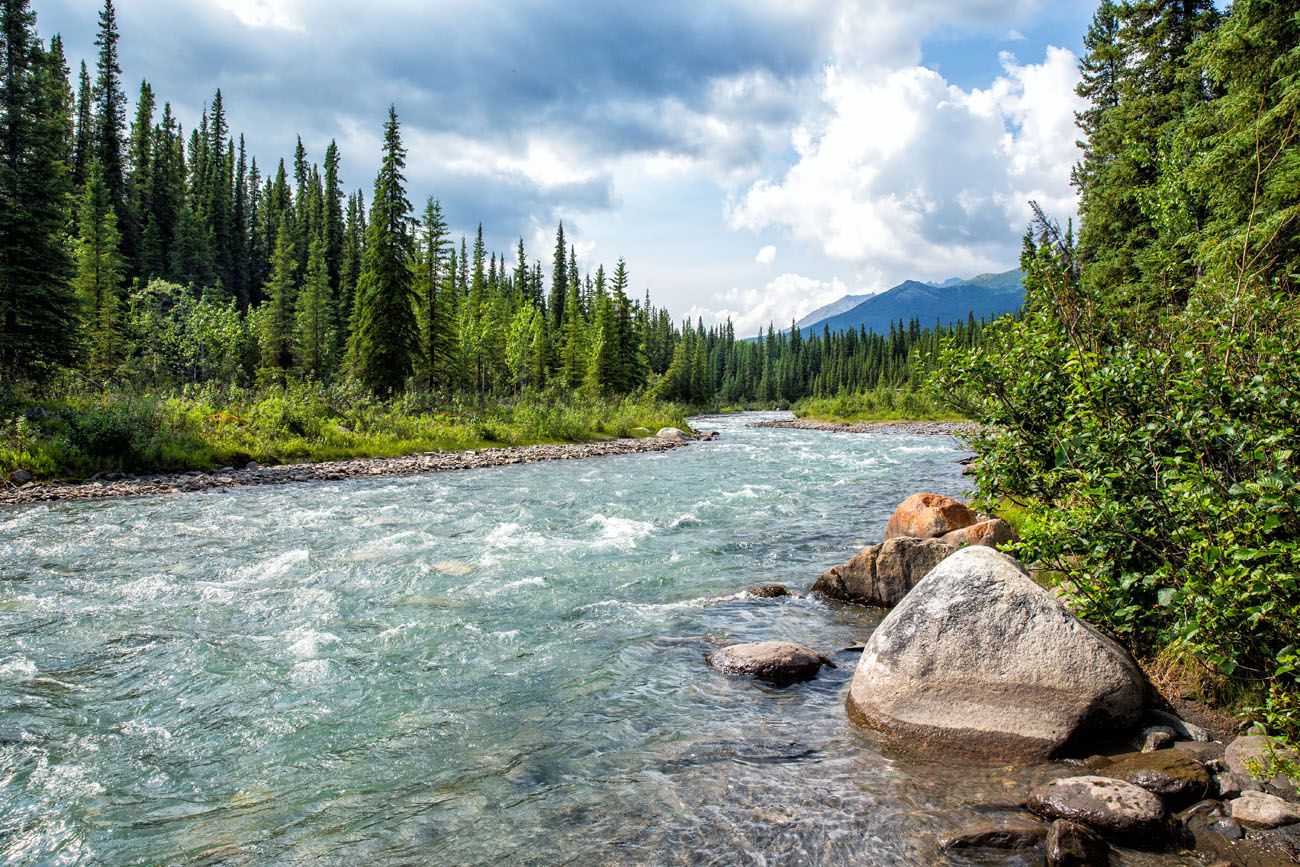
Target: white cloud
[[766, 255], [787, 298], [265, 14], [905, 173]]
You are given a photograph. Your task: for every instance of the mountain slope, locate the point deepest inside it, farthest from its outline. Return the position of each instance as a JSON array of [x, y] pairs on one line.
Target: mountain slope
[[835, 308], [986, 296]]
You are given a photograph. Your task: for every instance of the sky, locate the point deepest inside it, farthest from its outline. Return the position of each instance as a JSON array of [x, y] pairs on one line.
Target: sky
[[749, 158]]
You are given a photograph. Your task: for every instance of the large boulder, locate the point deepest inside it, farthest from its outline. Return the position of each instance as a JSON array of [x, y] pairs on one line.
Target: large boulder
[[883, 574], [979, 663], [1176, 776], [779, 662], [672, 433], [1117, 810], [993, 533], [928, 516]]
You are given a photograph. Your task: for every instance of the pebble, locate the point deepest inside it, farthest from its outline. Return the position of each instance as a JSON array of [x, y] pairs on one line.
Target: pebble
[[254, 473]]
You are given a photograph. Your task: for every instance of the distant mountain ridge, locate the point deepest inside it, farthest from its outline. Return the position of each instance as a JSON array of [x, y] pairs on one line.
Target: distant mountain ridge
[[986, 296]]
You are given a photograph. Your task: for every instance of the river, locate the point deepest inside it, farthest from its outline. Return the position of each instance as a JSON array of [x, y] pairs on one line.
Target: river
[[464, 668]]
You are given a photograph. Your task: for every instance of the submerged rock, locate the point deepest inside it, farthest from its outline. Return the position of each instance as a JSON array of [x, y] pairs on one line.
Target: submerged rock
[[772, 591], [1262, 810], [882, 575], [1115, 809], [779, 662], [992, 533], [979, 663], [1012, 836], [1070, 844], [1178, 778], [928, 516]]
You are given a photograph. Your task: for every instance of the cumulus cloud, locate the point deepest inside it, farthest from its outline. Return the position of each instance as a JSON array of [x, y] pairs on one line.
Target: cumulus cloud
[[787, 298], [910, 173], [766, 255]]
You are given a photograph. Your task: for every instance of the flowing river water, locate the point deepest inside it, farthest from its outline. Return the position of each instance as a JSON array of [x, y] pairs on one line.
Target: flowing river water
[[465, 668]]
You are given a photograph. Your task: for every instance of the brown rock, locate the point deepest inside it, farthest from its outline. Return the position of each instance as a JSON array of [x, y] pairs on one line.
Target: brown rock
[[883, 574], [780, 662], [928, 516], [991, 533], [1177, 777], [1070, 844]]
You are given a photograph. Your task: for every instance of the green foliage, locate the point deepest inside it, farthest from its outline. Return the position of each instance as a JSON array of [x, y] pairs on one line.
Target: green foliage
[[76, 433], [99, 275], [881, 404]]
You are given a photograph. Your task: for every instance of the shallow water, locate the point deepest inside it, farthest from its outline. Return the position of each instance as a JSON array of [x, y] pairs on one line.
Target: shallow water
[[464, 668]]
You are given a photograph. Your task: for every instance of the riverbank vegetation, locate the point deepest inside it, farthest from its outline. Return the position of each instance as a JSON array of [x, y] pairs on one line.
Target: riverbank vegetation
[[77, 433], [1145, 410]]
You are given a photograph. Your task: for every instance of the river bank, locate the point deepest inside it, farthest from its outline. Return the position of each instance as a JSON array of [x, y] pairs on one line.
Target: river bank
[[912, 428], [119, 485]]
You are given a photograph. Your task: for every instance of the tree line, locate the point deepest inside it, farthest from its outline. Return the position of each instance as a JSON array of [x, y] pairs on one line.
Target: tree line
[[137, 253]]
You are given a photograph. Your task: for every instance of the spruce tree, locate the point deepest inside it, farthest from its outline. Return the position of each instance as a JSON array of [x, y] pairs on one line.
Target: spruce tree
[[139, 185], [110, 122], [314, 341], [559, 279], [83, 149], [385, 340], [334, 223], [38, 318], [98, 280], [436, 322], [277, 319]]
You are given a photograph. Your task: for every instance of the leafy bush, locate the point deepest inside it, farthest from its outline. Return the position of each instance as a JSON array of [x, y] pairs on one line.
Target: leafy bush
[[1157, 468]]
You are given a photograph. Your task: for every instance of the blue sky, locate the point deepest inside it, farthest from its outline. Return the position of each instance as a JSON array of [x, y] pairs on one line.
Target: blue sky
[[751, 158]]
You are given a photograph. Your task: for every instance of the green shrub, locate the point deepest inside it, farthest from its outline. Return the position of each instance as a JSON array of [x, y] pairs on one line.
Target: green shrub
[[1155, 470]]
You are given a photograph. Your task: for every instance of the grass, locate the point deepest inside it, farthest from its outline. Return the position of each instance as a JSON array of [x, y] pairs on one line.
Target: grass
[[77, 433], [883, 404]]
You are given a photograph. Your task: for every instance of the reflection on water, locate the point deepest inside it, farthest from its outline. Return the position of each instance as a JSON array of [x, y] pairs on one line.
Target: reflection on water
[[464, 668]]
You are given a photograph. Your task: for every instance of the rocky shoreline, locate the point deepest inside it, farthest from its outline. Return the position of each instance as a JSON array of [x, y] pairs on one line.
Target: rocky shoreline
[[977, 664], [12, 494], [921, 428]]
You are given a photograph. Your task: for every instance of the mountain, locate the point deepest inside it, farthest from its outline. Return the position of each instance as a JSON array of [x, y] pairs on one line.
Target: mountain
[[986, 296], [835, 308]]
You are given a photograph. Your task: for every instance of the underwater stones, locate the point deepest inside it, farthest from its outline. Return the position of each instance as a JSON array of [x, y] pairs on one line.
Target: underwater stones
[[1177, 777], [980, 664], [1115, 809], [1070, 844], [1011, 835], [772, 591], [882, 575], [778, 662], [928, 516]]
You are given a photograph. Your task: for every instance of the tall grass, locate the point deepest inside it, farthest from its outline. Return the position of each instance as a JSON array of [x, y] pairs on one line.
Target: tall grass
[[882, 404], [75, 432]]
